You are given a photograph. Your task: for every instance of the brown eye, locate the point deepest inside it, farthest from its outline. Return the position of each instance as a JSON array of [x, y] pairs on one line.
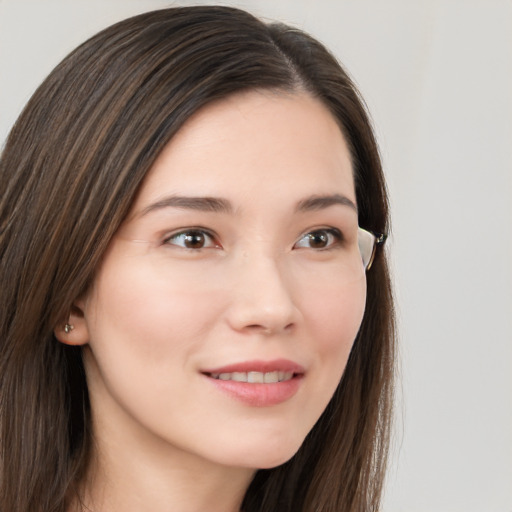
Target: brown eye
[[192, 239], [319, 239]]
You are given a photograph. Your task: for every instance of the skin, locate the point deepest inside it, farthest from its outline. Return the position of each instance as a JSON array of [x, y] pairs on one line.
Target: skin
[[158, 313]]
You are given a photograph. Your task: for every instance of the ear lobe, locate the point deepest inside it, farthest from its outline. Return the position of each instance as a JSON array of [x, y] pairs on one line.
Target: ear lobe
[[73, 331]]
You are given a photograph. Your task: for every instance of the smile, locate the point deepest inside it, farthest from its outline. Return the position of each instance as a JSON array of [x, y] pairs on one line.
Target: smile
[[255, 377], [258, 383]]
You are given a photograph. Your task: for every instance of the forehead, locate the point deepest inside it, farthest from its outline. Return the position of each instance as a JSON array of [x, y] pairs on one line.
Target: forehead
[[263, 142]]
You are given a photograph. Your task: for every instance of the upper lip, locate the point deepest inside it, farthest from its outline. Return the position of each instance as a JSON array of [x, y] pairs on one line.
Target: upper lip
[[276, 365]]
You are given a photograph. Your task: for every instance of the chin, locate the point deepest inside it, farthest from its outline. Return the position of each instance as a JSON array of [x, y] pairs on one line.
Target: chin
[[274, 462], [266, 455]]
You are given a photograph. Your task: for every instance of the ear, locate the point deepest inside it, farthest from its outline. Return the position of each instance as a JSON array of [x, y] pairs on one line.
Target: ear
[[73, 330]]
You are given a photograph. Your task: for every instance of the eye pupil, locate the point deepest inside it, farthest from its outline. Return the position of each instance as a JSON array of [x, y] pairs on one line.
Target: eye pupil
[[318, 239], [194, 240]]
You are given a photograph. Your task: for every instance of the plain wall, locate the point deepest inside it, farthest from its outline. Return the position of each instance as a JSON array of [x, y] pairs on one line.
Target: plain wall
[[437, 76]]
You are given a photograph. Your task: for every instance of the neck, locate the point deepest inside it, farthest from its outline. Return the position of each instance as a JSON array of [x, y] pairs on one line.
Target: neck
[[136, 481]]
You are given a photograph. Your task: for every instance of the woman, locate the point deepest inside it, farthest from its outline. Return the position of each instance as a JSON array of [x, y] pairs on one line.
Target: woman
[[189, 320]]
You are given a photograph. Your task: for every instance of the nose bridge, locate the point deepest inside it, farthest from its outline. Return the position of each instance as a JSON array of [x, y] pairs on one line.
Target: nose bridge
[[262, 296]]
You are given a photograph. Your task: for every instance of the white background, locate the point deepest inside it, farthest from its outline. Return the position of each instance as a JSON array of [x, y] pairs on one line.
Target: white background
[[437, 76]]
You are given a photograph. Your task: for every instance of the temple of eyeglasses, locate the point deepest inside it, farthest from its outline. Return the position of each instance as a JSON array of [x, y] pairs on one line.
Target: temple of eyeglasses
[[368, 243]]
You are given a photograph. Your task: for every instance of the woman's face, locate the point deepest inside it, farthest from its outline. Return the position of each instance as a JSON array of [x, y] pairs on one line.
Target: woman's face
[[220, 321]]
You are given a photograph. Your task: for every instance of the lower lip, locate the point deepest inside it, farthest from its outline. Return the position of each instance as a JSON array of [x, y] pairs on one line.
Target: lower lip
[[259, 395]]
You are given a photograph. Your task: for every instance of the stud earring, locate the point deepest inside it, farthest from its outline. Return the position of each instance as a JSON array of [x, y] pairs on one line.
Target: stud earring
[[68, 328]]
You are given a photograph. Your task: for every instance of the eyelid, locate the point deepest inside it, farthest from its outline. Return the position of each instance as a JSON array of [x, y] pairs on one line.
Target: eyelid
[[167, 240], [334, 232]]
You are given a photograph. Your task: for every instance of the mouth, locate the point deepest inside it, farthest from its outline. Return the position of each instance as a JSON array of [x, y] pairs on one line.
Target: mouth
[[254, 377], [257, 371], [258, 383]]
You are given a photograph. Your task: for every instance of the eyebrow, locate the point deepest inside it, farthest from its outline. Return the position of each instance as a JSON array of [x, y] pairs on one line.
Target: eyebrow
[[202, 204], [315, 203], [220, 205]]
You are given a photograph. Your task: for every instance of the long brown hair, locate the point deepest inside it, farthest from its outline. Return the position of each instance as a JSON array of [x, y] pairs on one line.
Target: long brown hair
[[69, 172]]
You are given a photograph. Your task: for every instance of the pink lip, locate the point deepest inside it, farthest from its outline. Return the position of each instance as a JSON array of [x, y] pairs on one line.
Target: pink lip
[[277, 365], [259, 394]]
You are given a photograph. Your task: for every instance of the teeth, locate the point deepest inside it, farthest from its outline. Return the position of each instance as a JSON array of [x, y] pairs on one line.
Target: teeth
[[271, 377], [238, 376], [254, 377]]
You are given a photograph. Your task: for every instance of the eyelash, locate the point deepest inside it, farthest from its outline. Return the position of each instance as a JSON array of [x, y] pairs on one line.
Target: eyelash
[[190, 233], [333, 239]]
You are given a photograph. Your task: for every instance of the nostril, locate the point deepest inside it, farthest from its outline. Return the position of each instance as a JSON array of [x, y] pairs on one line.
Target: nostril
[[268, 330], [260, 328]]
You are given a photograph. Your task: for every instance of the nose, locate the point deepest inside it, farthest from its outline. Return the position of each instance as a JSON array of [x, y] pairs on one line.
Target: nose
[[261, 298]]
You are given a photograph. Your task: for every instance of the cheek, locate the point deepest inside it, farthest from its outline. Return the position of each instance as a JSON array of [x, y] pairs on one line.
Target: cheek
[[335, 314], [337, 310], [147, 312], [144, 330]]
